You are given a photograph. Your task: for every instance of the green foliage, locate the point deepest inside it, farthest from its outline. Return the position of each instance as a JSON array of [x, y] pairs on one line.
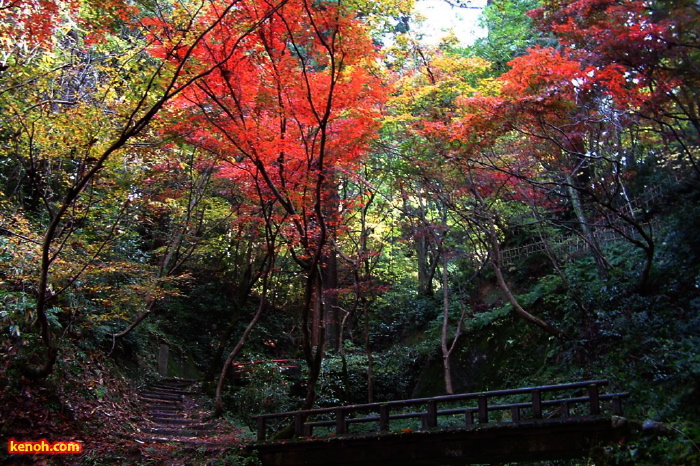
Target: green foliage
[[510, 32], [267, 390], [343, 379], [401, 313], [644, 341], [15, 313], [675, 443], [158, 225], [396, 372]]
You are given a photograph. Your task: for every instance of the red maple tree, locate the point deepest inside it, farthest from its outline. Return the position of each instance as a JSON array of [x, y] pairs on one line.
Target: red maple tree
[[288, 108]]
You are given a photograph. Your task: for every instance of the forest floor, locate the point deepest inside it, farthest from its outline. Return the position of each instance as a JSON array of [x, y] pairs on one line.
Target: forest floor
[[117, 425]]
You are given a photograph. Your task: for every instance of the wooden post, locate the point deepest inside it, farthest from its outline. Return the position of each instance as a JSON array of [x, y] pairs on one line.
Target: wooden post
[[564, 409], [299, 430], [536, 404], [482, 402], [469, 416], [340, 426], [261, 429], [515, 413], [163, 356], [617, 405], [594, 399], [383, 418], [431, 415]]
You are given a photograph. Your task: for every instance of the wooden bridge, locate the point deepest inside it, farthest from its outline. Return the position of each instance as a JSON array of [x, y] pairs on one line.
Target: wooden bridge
[[524, 424]]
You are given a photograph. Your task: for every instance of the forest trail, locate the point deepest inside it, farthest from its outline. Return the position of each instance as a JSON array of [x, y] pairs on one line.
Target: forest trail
[[173, 412], [177, 412]]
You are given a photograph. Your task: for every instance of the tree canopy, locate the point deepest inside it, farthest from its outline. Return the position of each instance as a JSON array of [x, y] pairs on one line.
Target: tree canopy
[[307, 180]]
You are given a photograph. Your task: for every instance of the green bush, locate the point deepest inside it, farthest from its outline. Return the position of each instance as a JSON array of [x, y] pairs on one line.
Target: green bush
[[267, 390]]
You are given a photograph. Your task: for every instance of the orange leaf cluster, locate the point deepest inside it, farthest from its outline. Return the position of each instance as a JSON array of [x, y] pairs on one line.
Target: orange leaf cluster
[[289, 99]]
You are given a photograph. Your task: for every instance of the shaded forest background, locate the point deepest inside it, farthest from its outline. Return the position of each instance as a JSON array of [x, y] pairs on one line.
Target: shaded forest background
[[308, 181]]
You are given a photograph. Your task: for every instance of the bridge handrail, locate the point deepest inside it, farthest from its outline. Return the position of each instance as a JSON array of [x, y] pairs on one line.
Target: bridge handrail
[[431, 413], [566, 401], [441, 398]]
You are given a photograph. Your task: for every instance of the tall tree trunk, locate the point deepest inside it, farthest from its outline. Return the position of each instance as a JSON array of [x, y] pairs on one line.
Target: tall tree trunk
[[174, 256], [421, 236], [556, 262], [343, 355], [446, 352], [588, 235], [448, 345], [426, 272], [313, 334], [370, 354], [317, 324], [496, 265], [218, 400], [219, 352], [331, 319]]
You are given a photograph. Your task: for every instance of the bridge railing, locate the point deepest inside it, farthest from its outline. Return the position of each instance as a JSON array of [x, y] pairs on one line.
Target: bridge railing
[[564, 401]]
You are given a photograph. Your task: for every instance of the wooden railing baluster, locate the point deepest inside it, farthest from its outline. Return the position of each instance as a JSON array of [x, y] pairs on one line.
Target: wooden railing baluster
[[469, 417], [261, 428], [482, 403], [537, 404], [616, 405], [383, 418], [340, 426], [431, 415], [565, 412], [299, 428], [593, 395], [515, 413], [342, 416]]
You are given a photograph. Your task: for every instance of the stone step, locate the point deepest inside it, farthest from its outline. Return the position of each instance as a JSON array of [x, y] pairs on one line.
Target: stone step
[[161, 415], [164, 408], [176, 383], [160, 412], [158, 400], [183, 431], [169, 391], [165, 420], [202, 427], [170, 431], [184, 440], [167, 406], [162, 396], [174, 422]]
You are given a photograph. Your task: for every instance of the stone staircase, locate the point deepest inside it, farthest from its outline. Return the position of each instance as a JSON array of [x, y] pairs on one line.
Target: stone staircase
[[174, 411]]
